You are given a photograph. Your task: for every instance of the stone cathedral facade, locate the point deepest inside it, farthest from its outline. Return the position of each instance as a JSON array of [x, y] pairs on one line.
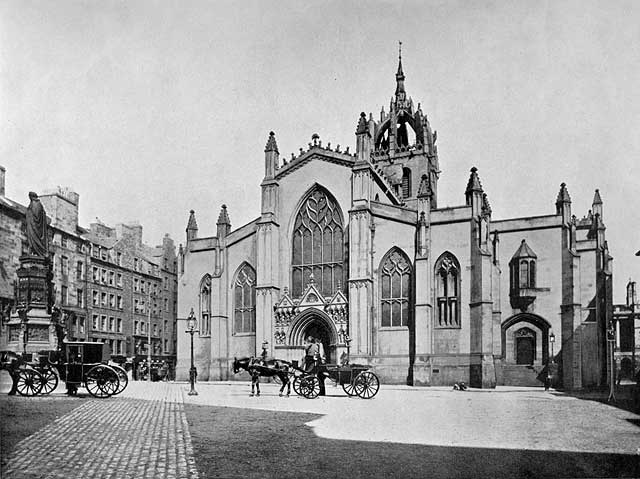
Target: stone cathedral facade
[[353, 245]]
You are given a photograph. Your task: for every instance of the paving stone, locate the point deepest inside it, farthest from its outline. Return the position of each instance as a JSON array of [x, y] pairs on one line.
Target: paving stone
[[122, 436]]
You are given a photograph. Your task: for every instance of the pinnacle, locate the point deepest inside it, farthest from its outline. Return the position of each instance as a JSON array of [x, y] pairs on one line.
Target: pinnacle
[[271, 143]]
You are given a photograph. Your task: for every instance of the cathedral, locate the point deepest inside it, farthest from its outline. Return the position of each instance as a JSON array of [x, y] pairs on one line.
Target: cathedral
[[353, 249]]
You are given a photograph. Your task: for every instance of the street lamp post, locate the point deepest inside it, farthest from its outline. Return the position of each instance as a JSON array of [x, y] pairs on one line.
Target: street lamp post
[[550, 361], [191, 328], [611, 339]]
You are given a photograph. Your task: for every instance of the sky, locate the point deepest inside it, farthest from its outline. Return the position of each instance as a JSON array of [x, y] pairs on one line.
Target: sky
[[149, 109]]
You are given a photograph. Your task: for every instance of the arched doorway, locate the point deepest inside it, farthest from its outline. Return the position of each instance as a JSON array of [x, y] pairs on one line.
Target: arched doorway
[[525, 346], [317, 324], [319, 331]]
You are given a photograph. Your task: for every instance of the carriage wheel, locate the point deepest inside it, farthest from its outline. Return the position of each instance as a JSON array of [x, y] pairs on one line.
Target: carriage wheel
[[296, 385], [29, 382], [366, 385], [123, 378], [309, 386], [101, 381], [49, 380], [349, 388]]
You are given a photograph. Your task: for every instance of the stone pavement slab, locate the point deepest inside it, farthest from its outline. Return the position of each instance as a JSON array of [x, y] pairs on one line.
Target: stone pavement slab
[[145, 435], [510, 418]]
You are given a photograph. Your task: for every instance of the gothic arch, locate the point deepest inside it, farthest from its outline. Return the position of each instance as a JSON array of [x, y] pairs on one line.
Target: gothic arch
[[244, 299], [318, 238], [296, 336], [204, 305], [395, 274], [541, 324], [448, 280], [304, 197], [384, 127]]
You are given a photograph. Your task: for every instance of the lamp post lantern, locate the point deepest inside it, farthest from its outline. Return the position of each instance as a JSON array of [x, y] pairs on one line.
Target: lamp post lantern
[[191, 328], [552, 340]]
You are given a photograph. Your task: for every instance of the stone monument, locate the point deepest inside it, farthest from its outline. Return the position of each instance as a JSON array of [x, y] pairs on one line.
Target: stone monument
[[31, 328]]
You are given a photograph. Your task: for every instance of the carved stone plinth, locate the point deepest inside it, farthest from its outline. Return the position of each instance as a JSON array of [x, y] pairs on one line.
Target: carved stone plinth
[[34, 283]]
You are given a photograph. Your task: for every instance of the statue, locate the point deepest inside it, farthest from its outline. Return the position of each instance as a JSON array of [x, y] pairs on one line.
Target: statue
[[36, 219]]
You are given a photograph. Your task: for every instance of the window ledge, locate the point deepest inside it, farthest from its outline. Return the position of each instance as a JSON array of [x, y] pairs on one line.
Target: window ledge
[[394, 328]]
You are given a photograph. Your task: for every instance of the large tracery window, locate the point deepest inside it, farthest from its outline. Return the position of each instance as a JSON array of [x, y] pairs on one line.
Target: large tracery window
[[318, 245], [244, 309], [395, 279], [205, 306], [448, 291]]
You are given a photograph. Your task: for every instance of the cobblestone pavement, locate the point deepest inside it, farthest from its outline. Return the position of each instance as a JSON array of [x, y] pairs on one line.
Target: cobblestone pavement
[[141, 435]]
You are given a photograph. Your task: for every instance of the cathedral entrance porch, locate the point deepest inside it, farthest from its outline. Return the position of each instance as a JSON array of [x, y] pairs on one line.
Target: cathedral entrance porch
[[317, 325]]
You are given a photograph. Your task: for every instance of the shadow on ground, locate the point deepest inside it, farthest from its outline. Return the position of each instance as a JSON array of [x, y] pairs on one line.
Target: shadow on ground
[[247, 443], [626, 396]]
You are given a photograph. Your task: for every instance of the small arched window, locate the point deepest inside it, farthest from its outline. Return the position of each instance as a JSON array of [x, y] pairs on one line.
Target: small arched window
[[244, 308], [523, 268], [406, 183], [395, 291], [448, 291], [205, 306]]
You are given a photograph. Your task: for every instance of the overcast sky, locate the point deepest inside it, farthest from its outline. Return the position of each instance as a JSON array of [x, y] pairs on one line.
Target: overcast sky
[[150, 109]]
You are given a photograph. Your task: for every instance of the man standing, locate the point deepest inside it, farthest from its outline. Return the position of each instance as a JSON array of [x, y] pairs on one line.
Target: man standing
[[311, 352]]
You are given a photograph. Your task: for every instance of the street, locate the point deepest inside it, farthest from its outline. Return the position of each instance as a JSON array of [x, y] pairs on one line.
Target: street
[[156, 430]]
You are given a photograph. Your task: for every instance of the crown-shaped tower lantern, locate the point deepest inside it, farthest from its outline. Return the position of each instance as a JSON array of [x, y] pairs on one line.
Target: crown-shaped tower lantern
[[402, 143]]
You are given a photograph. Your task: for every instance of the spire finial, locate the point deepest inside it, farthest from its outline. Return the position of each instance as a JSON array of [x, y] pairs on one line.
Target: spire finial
[[400, 93]]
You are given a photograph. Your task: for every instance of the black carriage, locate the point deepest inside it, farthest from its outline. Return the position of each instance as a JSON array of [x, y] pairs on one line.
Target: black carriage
[[78, 364], [355, 379], [84, 364]]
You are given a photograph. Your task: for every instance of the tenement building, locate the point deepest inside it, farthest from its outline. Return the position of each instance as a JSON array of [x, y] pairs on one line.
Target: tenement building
[[354, 249], [108, 285]]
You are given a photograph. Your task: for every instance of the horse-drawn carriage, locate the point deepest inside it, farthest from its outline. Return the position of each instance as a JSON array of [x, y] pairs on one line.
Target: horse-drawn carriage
[[77, 364], [355, 379]]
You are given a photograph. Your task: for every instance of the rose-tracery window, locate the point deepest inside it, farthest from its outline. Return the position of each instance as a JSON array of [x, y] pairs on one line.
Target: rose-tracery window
[[395, 279], [318, 245], [448, 291], [205, 306], [244, 309]]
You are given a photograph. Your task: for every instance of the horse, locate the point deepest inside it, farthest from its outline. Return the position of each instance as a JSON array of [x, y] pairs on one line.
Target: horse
[[256, 368]]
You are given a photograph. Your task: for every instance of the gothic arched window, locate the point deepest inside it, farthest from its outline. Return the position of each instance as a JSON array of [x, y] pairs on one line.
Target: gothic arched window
[[448, 291], [205, 306], [318, 245], [395, 289], [244, 307]]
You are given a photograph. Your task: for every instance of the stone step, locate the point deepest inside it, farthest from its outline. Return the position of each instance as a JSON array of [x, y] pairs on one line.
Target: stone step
[[521, 375]]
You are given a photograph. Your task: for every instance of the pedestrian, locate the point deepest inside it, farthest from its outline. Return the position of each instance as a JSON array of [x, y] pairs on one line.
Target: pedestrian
[[254, 371], [310, 354], [264, 353]]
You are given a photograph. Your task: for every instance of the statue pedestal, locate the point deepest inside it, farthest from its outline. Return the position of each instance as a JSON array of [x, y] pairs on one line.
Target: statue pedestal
[[30, 327], [35, 285], [31, 331]]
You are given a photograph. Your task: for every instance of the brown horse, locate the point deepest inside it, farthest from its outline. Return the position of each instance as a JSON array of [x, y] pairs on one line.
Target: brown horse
[[256, 368]]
